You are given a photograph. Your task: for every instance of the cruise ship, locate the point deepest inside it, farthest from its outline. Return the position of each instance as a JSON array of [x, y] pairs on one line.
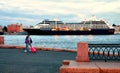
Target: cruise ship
[[86, 27]]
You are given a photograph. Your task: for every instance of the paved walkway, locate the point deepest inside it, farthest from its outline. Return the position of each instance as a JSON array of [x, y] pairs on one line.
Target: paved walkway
[[16, 61]]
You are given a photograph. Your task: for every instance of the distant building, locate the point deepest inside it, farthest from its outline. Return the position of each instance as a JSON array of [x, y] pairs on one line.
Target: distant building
[[0, 28], [117, 28], [14, 28]]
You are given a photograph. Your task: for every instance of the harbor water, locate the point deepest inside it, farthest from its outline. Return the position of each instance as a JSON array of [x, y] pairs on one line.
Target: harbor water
[[64, 42]]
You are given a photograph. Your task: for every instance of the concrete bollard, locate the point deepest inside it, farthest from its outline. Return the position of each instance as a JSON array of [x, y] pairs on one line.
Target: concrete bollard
[[1, 40], [82, 52]]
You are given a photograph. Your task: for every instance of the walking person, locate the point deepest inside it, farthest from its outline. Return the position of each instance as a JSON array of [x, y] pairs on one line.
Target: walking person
[[28, 42]]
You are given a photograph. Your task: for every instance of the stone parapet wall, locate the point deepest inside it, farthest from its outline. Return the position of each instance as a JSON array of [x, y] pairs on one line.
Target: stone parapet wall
[[1, 40], [90, 67]]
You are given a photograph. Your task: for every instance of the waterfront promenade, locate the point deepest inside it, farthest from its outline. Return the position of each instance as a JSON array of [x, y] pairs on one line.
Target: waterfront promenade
[[16, 61], [13, 59], [49, 60]]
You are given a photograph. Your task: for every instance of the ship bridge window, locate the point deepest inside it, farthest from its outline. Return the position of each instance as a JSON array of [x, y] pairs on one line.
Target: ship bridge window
[[88, 22], [85, 22], [98, 22]]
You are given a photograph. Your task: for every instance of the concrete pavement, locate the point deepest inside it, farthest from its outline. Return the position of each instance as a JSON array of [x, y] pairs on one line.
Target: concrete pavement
[[16, 61]]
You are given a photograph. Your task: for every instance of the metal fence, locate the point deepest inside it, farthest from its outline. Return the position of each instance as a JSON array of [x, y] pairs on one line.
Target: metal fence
[[106, 52]]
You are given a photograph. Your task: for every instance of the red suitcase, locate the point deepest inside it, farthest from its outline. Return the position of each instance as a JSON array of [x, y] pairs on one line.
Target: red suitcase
[[33, 50]]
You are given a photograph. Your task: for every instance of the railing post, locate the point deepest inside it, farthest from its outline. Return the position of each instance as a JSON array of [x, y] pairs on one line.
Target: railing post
[[1, 39], [82, 52]]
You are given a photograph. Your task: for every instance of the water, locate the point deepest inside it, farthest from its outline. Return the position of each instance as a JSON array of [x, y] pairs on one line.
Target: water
[[66, 42]]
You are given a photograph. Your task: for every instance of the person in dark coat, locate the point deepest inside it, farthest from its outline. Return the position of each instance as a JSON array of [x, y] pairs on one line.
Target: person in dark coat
[[28, 42]]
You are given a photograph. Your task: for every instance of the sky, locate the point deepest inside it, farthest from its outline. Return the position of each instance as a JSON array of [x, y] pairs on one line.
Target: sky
[[31, 12]]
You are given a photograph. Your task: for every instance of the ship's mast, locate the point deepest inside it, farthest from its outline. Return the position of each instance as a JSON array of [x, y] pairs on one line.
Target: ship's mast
[[93, 18]]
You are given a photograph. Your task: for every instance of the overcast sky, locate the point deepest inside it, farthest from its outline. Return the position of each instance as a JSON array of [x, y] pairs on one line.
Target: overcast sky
[[31, 12]]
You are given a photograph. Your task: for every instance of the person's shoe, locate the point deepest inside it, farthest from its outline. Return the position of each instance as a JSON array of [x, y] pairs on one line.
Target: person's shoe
[[25, 50], [29, 50]]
